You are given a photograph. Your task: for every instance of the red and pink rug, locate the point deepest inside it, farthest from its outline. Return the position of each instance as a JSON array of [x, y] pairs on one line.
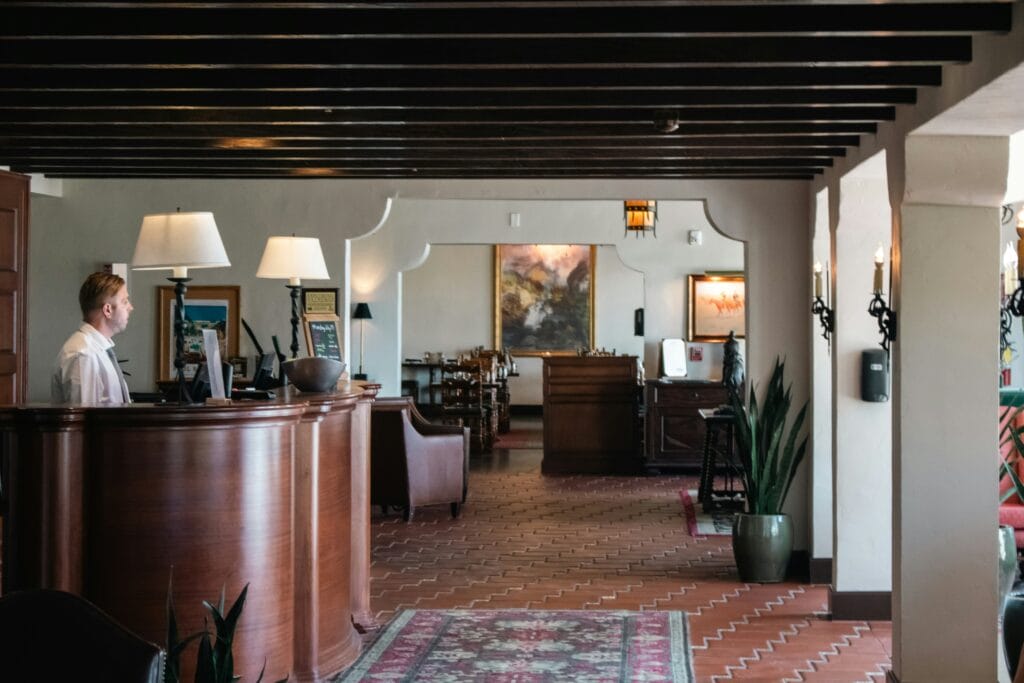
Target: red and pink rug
[[527, 646], [701, 523]]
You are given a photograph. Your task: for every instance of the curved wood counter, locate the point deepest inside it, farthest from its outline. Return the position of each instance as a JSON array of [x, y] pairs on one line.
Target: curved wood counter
[[104, 501]]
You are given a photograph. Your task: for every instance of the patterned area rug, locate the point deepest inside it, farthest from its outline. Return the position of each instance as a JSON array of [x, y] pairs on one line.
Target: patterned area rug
[[700, 523], [527, 646]]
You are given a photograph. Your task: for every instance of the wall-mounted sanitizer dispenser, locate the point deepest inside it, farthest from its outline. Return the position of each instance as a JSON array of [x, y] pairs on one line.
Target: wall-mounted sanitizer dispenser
[[874, 375]]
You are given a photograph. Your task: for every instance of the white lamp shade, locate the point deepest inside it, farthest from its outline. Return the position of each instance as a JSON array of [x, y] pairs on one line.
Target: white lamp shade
[[293, 258], [179, 240]]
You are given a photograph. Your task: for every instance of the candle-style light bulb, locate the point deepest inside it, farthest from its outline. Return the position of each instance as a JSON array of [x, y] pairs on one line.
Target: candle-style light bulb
[[879, 263], [817, 279], [1009, 269]]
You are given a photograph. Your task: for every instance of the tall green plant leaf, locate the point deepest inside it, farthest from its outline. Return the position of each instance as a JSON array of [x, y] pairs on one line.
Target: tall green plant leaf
[[223, 658], [769, 453], [1011, 434]]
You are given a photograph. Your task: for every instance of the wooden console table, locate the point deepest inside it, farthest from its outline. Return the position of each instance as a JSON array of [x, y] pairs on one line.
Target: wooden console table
[[103, 501], [675, 430]]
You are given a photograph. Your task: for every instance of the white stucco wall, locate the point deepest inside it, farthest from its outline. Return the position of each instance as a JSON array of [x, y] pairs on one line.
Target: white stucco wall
[[820, 505], [862, 449]]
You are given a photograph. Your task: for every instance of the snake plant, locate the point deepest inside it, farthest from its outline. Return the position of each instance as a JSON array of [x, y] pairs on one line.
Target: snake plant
[[768, 454]]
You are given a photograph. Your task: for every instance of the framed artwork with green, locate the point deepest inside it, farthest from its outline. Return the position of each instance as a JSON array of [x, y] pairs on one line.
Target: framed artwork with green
[[544, 298]]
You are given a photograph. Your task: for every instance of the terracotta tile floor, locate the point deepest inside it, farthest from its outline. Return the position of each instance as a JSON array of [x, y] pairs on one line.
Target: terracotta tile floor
[[585, 542]]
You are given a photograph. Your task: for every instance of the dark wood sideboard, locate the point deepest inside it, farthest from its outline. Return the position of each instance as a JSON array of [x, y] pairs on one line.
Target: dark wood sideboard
[[103, 501], [590, 415], [675, 430]]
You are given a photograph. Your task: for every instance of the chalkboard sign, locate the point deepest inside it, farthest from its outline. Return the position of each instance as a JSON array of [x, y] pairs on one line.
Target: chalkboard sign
[[322, 338]]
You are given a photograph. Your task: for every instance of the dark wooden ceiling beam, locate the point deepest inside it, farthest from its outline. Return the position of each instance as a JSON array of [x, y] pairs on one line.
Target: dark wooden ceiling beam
[[423, 165], [625, 144], [638, 132], [220, 19], [234, 175], [47, 77], [455, 117], [415, 156], [563, 99], [611, 53]]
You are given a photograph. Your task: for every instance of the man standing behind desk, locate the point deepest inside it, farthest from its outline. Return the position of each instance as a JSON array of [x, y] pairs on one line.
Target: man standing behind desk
[[86, 369]]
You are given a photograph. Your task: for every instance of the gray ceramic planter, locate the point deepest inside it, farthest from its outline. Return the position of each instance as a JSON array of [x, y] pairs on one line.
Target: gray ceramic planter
[[762, 545]]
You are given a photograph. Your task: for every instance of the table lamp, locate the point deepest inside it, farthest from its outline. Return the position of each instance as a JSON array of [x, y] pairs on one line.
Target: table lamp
[[362, 314], [294, 259], [176, 242]]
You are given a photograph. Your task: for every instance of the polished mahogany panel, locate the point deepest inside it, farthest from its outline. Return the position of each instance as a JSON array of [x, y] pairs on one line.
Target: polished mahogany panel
[[362, 615], [590, 415], [108, 499], [325, 639]]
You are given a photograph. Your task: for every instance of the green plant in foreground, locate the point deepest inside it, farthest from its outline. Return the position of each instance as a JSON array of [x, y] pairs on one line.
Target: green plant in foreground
[[1010, 433], [769, 456], [214, 660]]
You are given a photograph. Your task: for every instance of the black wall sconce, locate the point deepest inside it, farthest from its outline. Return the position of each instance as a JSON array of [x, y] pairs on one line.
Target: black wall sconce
[[878, 308], [819, 308]]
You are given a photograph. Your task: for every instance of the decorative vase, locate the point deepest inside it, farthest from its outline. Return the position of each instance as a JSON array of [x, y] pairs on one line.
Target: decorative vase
[[762, 545], [1007, 563]]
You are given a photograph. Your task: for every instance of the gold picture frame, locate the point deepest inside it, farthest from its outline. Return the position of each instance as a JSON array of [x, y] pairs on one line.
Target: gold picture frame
[[319, 300], [215, 307], [717, 305], [534, 284]]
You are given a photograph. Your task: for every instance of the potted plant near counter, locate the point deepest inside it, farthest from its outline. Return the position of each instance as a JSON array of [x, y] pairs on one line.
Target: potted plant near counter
[[762, 536]]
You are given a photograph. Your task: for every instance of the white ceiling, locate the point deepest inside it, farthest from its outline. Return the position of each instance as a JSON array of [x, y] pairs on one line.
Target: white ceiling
[[996, 109]]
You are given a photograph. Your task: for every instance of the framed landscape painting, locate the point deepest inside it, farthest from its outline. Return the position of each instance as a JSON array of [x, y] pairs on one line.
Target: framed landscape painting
[[544, 298], [206, 308], [718, 305]]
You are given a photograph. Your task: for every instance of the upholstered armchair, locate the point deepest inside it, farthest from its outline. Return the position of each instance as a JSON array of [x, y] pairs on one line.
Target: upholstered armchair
[[413, 462], [49, 635]]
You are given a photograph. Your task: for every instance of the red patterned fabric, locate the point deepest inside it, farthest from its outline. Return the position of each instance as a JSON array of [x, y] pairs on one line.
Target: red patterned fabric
[[528, 645]]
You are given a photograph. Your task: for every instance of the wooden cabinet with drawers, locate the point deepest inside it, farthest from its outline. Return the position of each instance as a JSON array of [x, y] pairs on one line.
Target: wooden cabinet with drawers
[[674, 428]]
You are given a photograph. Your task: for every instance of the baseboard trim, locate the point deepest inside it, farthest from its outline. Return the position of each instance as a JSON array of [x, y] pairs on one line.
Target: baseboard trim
[[821, 570], [525, 410], [890, 677], [860, 605], [799, 568]]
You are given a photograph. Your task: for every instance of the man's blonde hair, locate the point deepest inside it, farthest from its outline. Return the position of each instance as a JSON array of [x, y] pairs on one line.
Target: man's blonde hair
[[98, 289]]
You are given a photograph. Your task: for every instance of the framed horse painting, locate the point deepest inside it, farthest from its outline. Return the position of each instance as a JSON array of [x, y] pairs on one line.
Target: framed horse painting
[[718, 305]]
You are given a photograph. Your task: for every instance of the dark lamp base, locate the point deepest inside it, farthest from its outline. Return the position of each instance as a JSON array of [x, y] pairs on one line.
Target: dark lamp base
[[360, 375]]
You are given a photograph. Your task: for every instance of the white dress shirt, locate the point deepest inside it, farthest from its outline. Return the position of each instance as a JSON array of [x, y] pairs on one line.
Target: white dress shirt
[[84, 373]]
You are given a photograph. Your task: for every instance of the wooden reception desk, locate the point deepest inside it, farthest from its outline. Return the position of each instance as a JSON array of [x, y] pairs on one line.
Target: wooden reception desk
[[591, 424], [104, 501]]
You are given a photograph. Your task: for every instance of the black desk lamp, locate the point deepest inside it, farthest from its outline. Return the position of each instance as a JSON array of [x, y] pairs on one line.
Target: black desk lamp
[[362, 314], [294, 259], [176, 242]]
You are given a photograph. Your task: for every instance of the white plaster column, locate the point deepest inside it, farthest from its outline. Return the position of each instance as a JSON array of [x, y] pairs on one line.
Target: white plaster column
[[862, 446], [946, 364], [821, 400]]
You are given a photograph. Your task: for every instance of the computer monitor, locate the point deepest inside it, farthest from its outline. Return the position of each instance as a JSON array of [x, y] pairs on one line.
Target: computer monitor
[[200, 389], [264, 378]]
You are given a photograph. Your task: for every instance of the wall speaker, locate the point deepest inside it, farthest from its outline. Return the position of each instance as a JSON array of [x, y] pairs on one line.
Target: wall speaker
[[638, 322], [874, 375]]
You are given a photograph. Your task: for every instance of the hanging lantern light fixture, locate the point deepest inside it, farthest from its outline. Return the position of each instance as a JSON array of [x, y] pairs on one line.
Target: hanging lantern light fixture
[[641, 216]]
